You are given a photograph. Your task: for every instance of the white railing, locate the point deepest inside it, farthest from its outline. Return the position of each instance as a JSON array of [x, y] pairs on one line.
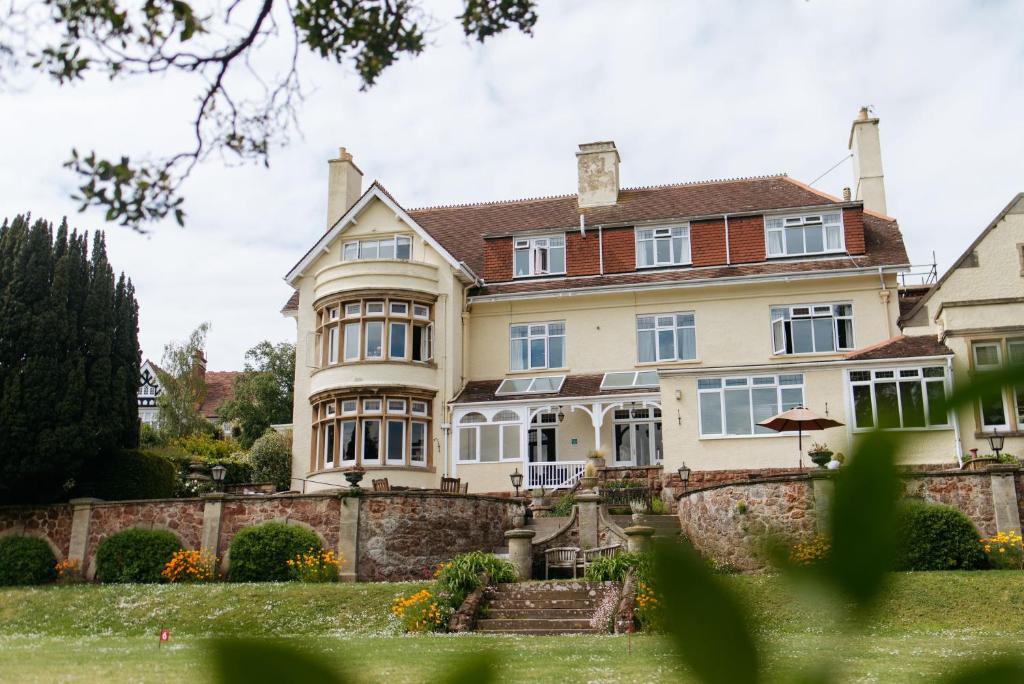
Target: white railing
[[554, 474]]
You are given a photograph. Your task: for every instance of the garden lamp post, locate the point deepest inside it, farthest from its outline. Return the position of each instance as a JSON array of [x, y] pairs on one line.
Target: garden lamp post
[[995, 441], [517, 480], [219, 472], [684, 475]]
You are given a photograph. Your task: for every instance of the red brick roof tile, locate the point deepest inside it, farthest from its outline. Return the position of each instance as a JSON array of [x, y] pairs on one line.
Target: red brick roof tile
[[220, 388], [902, 347], [292, 304]]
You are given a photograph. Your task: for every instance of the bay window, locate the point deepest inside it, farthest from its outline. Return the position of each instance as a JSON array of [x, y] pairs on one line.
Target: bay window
[[390, 431], [899, 398], [662, 246], [537, 345], [396, 247], [666, 337], [539, 255], [805, 234], [732, 407], [376, 330], [810, 328]]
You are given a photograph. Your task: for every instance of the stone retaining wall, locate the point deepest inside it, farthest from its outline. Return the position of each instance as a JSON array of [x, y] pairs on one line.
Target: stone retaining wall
[[382, 535]]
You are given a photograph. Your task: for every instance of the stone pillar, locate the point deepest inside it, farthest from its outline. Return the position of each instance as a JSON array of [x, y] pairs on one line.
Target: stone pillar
[[638, 538], [213, 504], [79, 544], [520, 551], [1004, 497], [587, 502], [823, 489], [348, 538]]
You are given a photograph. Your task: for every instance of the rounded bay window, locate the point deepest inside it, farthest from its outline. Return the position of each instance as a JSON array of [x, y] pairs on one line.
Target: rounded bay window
[[372, 327], [372, 430]]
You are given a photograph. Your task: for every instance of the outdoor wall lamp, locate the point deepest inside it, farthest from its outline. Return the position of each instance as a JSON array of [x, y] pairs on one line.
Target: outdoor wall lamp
[[684, 475], [517, 480], [219, 472], [995, 441]]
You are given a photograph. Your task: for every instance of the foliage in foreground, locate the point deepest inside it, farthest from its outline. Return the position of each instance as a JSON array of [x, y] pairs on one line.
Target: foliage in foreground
[[25, 561], [135, 555], [261, 553]]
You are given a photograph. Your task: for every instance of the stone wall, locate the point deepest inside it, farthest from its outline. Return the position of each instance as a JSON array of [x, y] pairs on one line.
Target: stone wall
[[970, 491], [382, 535]]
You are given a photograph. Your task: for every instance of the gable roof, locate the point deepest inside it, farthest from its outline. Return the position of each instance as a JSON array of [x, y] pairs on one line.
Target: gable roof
[[1016, 206], [375, 191], [220, 388]]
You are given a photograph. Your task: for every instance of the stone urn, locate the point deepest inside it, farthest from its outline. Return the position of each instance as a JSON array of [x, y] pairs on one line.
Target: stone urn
[[589, 483], [596, 458], [820, 458], [354, 477]]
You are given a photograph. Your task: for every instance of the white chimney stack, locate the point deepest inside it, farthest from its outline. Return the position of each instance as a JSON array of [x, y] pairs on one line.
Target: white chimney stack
[[867, 162], [344, 185], [598, 165]]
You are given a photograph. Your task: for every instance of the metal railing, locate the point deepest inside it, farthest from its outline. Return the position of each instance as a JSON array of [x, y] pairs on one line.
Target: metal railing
[[554, 474], [624, 496]]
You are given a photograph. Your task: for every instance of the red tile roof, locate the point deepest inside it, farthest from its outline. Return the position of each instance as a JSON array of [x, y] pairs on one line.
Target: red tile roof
[[584, 385], [220, 388], [902, 347], [292, 304]]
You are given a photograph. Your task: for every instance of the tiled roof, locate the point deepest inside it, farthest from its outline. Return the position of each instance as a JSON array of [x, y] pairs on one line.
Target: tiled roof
[[585, 385], [220, 387], [909, 297], [883, 246], [902, 347], [292, 304], [460, 229]]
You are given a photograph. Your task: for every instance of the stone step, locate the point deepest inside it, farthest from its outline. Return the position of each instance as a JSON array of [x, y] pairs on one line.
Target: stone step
[[546, 632], [551, 604], [499, 625], [543, 595], [537, 613]]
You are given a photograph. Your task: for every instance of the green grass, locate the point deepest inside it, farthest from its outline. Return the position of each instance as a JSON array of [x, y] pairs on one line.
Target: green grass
[[109, 633]]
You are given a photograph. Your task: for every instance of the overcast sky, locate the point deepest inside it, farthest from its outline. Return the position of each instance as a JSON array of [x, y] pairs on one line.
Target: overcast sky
[[687, 90]]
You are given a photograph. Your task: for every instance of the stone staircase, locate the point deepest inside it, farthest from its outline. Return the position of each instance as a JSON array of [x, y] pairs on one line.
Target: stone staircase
[[541, 608]]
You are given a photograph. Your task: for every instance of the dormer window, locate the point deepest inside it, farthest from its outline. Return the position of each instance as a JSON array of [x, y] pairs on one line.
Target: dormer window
[[668, 246], [807, 234], [397, 247], [540, 256]]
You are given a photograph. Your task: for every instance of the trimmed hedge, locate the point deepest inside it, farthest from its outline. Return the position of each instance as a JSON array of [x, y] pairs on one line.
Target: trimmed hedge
[[260, 553], [26, 560], [937, 537], [136, 474], [135, 555]]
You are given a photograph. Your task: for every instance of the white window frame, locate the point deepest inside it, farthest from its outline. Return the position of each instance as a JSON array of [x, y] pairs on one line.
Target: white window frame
[[538, 385], [532, 335], [426, 342], [539, 249], [659, 326], [333, 333], [749, 383], [777, 314], [387, 441], [473, 429], [664, 233], [653, 417], [776, 225], [381, 438], [896, 378], [406, 352], [358, 250], [986, 368], [422, 461]]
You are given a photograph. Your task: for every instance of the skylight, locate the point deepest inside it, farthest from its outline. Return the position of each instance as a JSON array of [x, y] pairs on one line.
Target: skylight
[[626, 379], [542, 385]]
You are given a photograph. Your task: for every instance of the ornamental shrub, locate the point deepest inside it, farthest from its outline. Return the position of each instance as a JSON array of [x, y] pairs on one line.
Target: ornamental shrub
[[614, 568], [26, 560], [135, 555], [461, 575], [135, 474], [261, 553], [563, 507], [271, 458], [936, 537], [190, 565]]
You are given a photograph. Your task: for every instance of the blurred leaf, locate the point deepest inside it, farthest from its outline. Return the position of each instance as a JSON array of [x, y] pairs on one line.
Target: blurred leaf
[[1004, 671], [708, 626], [248, 661], [984, 384], [863, 515], [477, 669]]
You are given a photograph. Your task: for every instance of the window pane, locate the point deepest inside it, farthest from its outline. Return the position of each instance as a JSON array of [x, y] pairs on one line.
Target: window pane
[[888, 405], [862, 415], [844, 327], [737, 412], [661, 251], [765, 404], [519, 354], [537, 359], [992, 410], [687, 343], [510, 442], [418, 346], [913, 404], [823, 335], [396, 340], [666, 344], [467, 444], [396, 441], [556, 352], [329, 444], [710, 413], [348, 440], [775, 243], [371, 440], [351, 341], [936, 403], [833, 240], [374, 340], [815, 241], [386, 250], [368, 250], [986, 355], [489, 443], [794, 240], [803, 336], [403, 248], [351, 251], [522, 262], [779, 336], [623, 442], [645, 345], [417, 442], [332, 345], [791, 398], [556, 255], [647, 253]]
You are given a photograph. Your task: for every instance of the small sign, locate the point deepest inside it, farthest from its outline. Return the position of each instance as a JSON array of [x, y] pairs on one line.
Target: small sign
[[165, 635], [574, 441]]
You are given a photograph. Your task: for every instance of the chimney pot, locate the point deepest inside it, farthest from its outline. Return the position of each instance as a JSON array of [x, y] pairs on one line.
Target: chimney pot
[[597, 165], [846, 194]]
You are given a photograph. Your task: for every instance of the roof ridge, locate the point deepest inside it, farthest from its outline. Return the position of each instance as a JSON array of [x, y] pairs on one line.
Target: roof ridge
[[637, 188]]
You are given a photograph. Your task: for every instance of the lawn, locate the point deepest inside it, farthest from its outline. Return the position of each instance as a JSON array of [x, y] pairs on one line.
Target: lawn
[[109, 633]]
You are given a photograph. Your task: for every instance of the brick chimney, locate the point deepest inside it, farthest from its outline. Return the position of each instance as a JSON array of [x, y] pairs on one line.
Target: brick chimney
[[344, 185], [598, 165], [867, 162]]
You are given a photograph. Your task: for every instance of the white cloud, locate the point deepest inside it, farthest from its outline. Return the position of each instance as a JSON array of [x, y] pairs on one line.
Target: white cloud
[[687, 90]]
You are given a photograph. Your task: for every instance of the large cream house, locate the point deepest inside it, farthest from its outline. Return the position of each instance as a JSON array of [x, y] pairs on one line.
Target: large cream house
[[658, 325]]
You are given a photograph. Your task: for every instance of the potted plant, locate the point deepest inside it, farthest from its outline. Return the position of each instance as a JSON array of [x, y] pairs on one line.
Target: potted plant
[[820, 454], [589, 479], [354, 476], [638, 507], [596, 457]]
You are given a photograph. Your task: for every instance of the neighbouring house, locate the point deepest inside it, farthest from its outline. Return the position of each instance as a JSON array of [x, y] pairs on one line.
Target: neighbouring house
[[977, 310], [219, 390], [149, 390], [655, 324]]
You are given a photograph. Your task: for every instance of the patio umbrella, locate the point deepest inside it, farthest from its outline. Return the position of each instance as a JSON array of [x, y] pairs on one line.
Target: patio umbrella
[[799, 419]]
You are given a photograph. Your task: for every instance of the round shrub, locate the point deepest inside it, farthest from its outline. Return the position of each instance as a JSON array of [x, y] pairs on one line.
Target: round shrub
[[936, 537], [26, 560], [135, 555], [261, 553], [271, 458]]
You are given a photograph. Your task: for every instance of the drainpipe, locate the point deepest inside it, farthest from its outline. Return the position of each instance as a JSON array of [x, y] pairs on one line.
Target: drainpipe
[[958, 444], [885, 294], [600, 248], [728, 254]]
